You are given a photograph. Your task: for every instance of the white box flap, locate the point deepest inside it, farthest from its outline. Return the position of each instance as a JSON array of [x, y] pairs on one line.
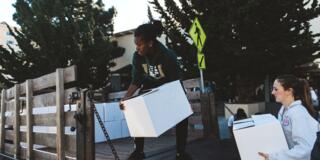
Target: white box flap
[[244, 123]]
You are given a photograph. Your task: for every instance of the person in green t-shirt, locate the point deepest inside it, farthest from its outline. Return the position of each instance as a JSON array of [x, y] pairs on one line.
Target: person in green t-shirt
[[153, 65]]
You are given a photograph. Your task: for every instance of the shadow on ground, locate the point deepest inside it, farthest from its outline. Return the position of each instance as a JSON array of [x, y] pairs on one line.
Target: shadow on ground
[[204, 149]]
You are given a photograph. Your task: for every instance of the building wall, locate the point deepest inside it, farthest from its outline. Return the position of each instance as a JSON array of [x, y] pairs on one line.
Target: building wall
[[6, 38]]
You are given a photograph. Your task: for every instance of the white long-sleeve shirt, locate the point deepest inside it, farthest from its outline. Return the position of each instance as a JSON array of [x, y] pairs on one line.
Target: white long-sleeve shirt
[[300, 132]]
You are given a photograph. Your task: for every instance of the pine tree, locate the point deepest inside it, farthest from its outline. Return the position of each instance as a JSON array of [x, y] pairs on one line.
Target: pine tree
[[246, 40], [244, 37], [56, 33]]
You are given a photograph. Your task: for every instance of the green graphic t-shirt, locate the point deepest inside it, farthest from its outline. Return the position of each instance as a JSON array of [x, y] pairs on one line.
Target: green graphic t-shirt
[[152, 71]]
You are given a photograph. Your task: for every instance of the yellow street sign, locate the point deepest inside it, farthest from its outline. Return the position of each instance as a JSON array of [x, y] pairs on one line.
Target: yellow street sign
[[201, 61], [197, 34]]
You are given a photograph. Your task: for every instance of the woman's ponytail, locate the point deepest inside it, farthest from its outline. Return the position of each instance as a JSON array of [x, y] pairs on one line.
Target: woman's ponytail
[[306, 96]]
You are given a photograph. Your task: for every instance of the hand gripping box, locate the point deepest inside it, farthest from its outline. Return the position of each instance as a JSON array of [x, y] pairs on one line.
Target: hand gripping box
[[261, 133], [154, 112]]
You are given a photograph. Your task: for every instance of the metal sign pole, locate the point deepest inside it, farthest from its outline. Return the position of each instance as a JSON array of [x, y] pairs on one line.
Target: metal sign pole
[[201, 81], [199, 37]]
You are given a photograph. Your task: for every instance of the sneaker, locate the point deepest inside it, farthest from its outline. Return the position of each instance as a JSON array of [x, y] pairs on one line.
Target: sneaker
[[183, 156], [136, 155]]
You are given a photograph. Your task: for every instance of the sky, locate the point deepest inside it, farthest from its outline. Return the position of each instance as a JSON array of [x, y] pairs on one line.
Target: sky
[[130, 14], [6, 11]]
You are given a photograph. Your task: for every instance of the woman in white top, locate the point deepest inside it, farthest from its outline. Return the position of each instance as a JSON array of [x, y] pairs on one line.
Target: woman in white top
[[296, 117]]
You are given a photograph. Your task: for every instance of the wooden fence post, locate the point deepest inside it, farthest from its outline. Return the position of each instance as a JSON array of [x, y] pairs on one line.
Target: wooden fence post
[[81, 128], [209, 115], [60, 139], [2, 122], [90, 149], [16, 124], [29, 95], [205, 114], [214, 116]]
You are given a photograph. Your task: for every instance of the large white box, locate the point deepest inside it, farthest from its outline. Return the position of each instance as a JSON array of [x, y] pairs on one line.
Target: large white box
[[113, 120], [98, 134], [261, 133], [100, 110], [124, 129], [113, 128], [154, 112], [112, 112]]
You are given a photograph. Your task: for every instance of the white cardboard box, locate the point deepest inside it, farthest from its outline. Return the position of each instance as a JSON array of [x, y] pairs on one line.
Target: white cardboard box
[[113, 120], [100, 110], [154, 112], [261, 133], [112, 112], [98, 134], [124, 129], [113, 129]]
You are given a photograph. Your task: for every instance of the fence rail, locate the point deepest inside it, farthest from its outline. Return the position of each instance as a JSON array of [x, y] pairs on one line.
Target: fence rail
[[37, 121]]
